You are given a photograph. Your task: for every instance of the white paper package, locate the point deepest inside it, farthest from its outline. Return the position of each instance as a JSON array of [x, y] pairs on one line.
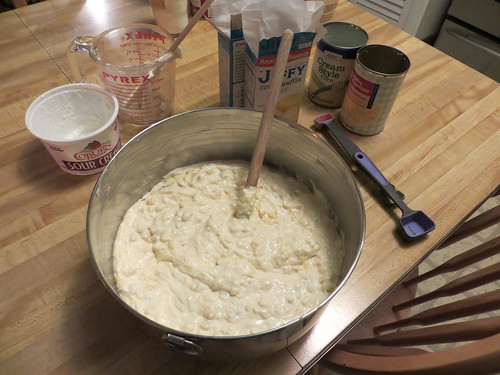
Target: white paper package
[[263, 23]]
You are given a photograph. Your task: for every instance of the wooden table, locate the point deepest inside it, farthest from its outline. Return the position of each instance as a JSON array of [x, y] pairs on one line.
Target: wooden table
[[440, 147]]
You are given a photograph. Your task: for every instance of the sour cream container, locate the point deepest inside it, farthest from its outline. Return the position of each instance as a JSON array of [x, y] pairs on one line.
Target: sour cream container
[[333, 63], [77, 124]]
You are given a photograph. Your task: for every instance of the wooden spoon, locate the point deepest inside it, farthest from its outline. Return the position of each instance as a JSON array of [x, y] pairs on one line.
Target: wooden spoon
[[190, 25], [244, 206]]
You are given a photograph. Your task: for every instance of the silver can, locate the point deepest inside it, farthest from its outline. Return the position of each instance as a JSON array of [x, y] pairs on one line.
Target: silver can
[[378, 74], [333, 63]]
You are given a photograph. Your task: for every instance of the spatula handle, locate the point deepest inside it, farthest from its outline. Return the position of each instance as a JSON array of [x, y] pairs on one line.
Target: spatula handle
[[363, 161], [267, 116]]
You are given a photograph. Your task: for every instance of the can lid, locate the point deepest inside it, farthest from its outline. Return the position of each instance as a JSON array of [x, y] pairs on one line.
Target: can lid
[[344, 35], [383, 60], [71, 113]]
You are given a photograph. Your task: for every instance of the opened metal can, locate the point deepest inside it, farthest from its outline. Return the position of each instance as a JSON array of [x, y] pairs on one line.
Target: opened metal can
[[378, 74], [333, 63]]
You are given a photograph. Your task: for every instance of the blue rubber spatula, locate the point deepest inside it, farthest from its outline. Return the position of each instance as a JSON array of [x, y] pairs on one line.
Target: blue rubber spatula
[[413, 224]]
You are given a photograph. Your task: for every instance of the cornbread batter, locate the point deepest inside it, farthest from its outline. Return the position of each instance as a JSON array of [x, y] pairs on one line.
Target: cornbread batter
[[183, 258]]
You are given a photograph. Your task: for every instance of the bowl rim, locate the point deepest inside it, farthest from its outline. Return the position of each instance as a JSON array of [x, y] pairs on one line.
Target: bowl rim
[[187, 335]]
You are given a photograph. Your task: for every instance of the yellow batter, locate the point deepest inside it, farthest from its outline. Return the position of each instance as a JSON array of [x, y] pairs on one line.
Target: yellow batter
[[184, 259]]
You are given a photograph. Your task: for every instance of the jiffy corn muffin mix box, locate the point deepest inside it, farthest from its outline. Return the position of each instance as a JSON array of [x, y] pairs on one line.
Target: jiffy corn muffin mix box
[[231, 53], [258, 74]]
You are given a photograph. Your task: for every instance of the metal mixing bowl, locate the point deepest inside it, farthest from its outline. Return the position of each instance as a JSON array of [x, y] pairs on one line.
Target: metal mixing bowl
[[221, 134]]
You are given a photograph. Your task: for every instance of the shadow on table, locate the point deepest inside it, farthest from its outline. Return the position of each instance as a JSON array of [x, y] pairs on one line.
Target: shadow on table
[[37, 168]]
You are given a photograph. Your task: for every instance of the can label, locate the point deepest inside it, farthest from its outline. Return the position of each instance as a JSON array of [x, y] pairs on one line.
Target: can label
[[371, 94], [88, 156], [329, 77], [334, 62], [362, 91], [361, 111], [92, 161]]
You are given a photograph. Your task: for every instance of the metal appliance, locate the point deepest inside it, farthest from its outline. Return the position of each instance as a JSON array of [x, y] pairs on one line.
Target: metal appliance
[[471, 34]]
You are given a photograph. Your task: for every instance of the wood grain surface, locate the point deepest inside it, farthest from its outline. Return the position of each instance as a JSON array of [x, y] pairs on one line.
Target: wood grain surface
[[440, 147]]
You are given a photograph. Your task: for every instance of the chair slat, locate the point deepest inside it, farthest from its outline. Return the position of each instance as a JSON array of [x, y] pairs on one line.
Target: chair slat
[[474, 225], [473, 344], [476, 358], [474, 255], [459, 285], [459, 309], [19, 3], [379, 350], [453, 332]]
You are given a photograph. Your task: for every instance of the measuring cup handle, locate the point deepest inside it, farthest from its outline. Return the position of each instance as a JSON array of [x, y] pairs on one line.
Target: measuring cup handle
[[80, 44]]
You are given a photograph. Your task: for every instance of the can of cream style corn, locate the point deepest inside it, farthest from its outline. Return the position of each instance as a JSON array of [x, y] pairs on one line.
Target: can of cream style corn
[[333, 63], [378, 74]]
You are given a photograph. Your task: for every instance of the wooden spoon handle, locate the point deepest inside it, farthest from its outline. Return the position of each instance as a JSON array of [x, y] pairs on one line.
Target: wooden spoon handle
[[267, 116], [190, 25]]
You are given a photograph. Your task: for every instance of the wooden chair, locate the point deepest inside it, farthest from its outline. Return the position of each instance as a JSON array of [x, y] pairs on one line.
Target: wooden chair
[[19, 3], [471, 341], [22, 3]]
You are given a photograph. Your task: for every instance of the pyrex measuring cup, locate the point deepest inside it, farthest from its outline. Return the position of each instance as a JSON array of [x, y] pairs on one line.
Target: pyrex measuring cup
[[133, 63]]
